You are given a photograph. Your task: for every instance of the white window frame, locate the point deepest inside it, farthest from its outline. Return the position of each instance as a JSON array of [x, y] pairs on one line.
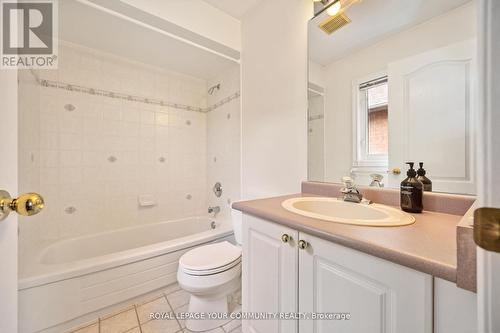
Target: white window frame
[[362, 160]]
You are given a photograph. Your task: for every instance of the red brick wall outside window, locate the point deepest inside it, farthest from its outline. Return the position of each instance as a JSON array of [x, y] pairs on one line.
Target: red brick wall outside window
[[378, 131]]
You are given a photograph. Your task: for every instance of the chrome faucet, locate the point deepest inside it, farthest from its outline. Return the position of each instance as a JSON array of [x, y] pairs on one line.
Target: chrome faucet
[[214, 210], [349, 192], [376, 180]]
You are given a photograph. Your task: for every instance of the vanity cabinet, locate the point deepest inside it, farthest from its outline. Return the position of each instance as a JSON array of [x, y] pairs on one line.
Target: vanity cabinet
[[269, 278], [289, 271], [380, 296]]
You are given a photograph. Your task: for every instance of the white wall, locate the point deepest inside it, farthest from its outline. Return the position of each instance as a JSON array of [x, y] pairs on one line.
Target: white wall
[[317, 74], [455, 26], [196, 16], [274, 97]]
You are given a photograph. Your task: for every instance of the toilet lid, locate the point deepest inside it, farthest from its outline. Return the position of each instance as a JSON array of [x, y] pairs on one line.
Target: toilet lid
[[210, 257], [235, 264]]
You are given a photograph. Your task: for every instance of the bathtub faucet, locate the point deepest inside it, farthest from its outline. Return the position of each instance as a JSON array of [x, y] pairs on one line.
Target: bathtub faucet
[[214, 210]]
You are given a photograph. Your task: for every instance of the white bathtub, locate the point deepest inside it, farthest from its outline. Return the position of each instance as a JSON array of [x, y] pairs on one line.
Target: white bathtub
[[75, 277]]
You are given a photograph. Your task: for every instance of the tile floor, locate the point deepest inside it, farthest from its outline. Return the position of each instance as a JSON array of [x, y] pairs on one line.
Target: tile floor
[[136, 317]]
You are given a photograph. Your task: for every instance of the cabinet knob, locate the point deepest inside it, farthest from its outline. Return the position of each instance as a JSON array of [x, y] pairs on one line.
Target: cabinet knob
[[285, 238], [303, 244]]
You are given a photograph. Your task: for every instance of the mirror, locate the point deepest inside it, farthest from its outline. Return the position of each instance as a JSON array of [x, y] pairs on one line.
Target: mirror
[[393, 81]]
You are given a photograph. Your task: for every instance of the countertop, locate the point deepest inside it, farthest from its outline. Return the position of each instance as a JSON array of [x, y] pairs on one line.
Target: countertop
[[429, 245]]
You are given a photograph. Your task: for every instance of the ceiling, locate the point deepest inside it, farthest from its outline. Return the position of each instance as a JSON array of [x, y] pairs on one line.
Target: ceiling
[[372, 20], [94, 28], [235, 8]]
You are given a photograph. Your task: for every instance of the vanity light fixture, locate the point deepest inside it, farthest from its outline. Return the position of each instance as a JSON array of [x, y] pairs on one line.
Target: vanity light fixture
[[320, 5], [334, 9]]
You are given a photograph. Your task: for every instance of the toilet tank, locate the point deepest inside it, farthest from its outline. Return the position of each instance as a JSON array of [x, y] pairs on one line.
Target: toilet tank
[[236, 220]]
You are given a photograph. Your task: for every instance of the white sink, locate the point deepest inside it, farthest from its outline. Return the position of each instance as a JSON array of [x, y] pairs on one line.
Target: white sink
[[335, 210]]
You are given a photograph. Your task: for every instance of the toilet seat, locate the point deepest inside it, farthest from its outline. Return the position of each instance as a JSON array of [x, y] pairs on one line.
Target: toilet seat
[[210, 259], [211, 271]]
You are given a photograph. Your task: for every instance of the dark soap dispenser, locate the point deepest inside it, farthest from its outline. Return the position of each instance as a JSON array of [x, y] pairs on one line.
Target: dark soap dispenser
[[412, 191], [421, 176]]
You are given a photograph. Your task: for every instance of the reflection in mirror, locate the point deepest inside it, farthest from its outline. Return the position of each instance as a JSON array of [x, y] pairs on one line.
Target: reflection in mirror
[[316, 123], [392, 81]]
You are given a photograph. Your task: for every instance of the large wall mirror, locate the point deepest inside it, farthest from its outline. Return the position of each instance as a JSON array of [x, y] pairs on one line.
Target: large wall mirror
[[393, 81]]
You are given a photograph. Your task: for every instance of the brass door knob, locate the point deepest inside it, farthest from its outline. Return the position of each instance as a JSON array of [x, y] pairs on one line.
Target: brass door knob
[[396, 171], [27, 204], [303, 244], [286, 238]]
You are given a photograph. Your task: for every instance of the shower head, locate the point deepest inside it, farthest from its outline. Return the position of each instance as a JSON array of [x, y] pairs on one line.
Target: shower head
[[212, 89]]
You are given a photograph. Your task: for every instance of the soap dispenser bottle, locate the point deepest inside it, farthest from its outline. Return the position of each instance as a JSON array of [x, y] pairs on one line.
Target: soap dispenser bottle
[[421, 176], [412, 192]]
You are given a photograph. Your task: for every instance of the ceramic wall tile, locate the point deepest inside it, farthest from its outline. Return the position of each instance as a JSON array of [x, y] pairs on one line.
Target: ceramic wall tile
[[89, 154]]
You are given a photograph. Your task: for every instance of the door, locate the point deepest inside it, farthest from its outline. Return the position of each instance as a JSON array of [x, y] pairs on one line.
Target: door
[[372, 291], [8, 182], [488, 257], [269, 276], [435, 93]]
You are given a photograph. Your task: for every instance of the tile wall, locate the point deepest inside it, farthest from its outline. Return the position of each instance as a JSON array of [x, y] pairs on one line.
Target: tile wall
[[92, 156], [224, 143]]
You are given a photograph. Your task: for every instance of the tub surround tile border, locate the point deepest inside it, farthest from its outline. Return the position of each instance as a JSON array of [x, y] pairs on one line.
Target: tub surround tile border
[[132, 98], [429, 245]]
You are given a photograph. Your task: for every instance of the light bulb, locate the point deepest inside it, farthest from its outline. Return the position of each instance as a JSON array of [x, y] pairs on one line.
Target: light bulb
[[334, 9]]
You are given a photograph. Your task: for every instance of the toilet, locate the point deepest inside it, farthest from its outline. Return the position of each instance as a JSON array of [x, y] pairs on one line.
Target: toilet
[[211, 273]]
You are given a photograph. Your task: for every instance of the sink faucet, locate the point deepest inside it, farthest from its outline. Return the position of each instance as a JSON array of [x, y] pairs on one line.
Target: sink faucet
[[214, 210], [376, 180], [349, 192]]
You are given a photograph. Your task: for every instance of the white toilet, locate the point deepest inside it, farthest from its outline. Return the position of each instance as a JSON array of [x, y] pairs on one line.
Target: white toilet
[[211, 273]]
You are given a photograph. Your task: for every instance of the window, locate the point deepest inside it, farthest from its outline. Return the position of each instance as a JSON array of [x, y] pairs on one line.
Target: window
[[371, 126]]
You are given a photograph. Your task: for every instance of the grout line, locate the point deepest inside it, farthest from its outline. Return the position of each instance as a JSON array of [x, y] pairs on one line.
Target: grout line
[[137, 316], [150, 300], [99, 324], [172, 308], [137, 313], [114, 314]]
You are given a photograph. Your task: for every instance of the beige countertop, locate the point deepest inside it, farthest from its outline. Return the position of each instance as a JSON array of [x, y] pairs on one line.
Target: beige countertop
[[429, 245]]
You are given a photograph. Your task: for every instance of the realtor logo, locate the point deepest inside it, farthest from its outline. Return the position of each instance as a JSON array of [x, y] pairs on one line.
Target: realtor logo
[[29, 34]]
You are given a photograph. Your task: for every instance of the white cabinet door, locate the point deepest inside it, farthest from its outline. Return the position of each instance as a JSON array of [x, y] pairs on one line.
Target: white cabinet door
[[432, 104], [379, 295], [455, 309], [269, 278]]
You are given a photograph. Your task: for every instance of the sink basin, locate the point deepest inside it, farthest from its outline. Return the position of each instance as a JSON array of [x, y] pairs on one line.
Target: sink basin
[[335, 210]]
